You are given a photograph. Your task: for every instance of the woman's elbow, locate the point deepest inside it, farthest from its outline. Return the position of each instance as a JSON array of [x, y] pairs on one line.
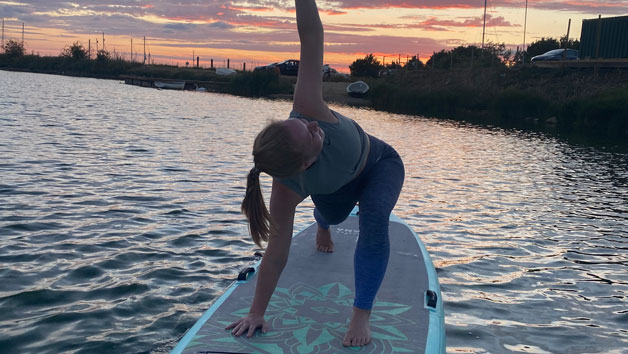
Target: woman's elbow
[[312, 33]]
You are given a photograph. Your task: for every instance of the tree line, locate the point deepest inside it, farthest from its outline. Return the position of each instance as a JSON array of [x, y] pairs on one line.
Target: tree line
[[491, 55], [76, 51]]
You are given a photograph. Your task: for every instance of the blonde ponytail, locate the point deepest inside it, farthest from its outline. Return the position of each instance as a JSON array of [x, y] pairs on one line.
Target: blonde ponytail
[[254, 208]]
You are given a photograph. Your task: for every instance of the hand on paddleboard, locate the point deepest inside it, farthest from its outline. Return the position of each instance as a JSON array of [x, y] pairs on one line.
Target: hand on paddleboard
[[249, 323]]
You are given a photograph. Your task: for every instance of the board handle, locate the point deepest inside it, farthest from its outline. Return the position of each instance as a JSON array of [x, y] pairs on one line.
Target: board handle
[[431, 298], [245, 272]]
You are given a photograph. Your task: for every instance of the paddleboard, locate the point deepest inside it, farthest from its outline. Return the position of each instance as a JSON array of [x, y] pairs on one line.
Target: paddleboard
[[311, 306]]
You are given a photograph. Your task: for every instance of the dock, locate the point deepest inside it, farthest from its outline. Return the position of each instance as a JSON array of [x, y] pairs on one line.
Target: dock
[[584, 63], [175, 84]]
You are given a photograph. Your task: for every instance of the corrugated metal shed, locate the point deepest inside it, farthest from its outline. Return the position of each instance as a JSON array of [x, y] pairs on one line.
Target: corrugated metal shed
[[612, 35]]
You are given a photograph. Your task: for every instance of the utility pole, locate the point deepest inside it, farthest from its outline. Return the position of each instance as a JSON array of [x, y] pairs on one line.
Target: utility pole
[[131, 50], [484, 24], [103, 41], [144, 50], [566, 40], [89, 48], [22, 34], [2, 46], [567, 37], [523, 47]]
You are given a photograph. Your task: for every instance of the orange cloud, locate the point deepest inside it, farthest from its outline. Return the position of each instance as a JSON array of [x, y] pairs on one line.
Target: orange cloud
[[250, 8], [332, 12]]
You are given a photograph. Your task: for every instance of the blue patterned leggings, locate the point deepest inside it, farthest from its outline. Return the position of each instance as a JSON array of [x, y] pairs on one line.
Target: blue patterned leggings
[[377, 189]]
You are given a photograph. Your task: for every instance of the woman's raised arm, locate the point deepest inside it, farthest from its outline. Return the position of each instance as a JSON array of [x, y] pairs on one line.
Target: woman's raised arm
[[308, 94]]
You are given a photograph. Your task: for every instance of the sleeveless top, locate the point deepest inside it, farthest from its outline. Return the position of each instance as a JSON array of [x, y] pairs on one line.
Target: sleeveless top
[[344, 154]]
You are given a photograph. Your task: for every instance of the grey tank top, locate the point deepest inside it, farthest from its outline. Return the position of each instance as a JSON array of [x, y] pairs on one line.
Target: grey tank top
[[344, 154]]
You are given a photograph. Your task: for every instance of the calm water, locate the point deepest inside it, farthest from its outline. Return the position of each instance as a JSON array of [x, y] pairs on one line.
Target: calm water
[[120, 223]]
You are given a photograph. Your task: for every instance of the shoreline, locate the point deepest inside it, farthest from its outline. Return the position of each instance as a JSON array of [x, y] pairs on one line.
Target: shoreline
[[571, 105], [334, 93]]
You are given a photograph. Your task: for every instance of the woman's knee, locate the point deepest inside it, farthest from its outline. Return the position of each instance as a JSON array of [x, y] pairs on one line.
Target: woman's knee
[[334, 219]]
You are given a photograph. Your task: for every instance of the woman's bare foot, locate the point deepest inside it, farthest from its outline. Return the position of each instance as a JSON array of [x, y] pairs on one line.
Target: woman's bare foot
[[323, 240], [359, 332]]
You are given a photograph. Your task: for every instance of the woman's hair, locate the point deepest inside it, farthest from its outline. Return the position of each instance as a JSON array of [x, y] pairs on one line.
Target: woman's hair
[[276, 153]]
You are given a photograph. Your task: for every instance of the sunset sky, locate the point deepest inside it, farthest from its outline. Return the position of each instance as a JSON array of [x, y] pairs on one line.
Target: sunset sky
[[259, 32]]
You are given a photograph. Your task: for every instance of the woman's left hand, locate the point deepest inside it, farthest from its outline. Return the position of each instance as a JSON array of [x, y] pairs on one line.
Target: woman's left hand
[[249, 323]]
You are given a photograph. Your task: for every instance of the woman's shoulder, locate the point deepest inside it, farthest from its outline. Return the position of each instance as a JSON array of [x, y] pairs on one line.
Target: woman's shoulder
[[324, 114]]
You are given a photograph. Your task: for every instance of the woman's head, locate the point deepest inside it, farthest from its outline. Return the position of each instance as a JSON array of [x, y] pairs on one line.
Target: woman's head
[[282, 149], [276, 152], [285, 148]]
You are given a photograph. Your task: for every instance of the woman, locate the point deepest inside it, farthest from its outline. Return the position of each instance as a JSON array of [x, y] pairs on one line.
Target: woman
[[322, 154]]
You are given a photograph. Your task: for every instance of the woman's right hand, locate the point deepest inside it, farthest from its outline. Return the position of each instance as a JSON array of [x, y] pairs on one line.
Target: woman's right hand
[[249, 323]]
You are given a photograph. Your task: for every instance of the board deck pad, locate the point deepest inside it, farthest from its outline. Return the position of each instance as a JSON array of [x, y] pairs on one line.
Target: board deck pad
[[310, 309]]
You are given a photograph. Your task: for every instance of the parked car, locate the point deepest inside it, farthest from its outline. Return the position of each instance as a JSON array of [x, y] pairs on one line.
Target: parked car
[[387, 72], [557, 54], [286, 67], [329, 72]]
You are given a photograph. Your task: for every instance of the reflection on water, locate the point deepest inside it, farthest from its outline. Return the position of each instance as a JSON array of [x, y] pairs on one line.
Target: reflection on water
[[120, 223]]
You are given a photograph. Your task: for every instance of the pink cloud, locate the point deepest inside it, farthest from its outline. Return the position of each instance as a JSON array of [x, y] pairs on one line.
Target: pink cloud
[[585, 6], [437, 24]]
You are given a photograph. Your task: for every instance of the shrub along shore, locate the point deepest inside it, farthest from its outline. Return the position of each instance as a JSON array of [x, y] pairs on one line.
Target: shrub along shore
[[572, 103]]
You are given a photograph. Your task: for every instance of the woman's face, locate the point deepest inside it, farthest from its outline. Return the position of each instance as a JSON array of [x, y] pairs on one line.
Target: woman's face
[[309, 135]]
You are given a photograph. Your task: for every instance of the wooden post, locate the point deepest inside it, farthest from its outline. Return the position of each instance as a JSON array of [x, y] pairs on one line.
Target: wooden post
[[228, 60], [568, 28], [198, 60], [565, 46], [211, 65], [89, 48], [243, 66]]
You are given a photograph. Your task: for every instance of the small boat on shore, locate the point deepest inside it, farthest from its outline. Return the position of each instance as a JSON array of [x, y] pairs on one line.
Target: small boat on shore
[[357, 89], [225, 72], [172, 85]]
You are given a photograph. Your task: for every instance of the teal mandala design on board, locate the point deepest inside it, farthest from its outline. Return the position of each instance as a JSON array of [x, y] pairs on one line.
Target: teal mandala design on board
[[294, 314]]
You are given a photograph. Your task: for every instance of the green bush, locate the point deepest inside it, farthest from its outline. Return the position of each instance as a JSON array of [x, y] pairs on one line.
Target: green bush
[[604, 114], [369, 66], [450, 103], [259, 84], [13, 48], [513, 105]]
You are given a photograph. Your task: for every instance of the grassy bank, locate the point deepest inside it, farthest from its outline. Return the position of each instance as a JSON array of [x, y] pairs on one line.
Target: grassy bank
[[249, 84], [565, 102]]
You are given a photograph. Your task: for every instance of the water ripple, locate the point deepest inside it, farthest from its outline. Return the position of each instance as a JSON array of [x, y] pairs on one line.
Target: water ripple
[[120, 220]]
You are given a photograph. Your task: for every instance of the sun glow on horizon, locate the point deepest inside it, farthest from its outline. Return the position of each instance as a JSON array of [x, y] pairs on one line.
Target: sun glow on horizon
[[244, 31]]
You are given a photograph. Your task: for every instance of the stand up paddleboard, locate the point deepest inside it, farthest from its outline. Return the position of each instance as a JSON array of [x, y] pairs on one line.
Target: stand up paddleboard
[[311, 306]]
